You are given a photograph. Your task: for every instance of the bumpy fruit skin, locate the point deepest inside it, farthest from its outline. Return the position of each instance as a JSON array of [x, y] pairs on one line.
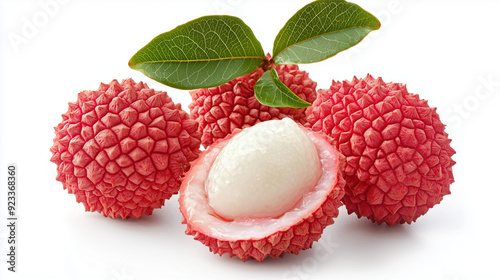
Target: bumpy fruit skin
[[290, 238], [398, 155], [220, 110], [123, 149]]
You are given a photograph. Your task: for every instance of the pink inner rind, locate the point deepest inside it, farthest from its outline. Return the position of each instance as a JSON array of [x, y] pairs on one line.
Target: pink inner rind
[[201, 218]]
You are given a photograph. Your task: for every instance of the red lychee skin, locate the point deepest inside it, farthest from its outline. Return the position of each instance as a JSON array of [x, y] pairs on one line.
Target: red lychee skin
[[398, 155], [123, 149], [291, 240], [220, 110]]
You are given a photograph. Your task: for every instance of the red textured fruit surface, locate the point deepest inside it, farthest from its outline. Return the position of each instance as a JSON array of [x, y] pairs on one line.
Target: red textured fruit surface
[[398, 156], [220, 110], [123, 149], [259, 238]]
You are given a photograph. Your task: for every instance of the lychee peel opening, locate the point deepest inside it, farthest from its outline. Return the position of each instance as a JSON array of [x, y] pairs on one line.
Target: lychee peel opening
[[398, 155], [261, 237], [123, 149], [263, 171]]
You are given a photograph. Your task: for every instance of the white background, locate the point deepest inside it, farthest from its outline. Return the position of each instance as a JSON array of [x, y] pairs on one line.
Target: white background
[[445, 51]]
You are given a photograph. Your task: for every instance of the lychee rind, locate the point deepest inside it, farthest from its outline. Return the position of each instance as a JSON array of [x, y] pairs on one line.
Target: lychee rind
[[290, 238], [398, 155], [123, 149], [233, 105]]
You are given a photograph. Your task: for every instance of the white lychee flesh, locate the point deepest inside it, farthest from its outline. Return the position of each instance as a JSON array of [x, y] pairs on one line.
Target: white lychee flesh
[[263, 171], [316, 208]]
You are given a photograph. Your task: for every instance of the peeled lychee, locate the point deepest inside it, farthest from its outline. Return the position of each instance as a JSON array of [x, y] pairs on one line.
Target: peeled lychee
[[122, 149], [398, 156], [233, 105], [263, 191]]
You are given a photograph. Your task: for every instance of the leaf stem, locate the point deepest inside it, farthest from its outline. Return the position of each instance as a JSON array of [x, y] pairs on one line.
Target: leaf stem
[[267, 63]]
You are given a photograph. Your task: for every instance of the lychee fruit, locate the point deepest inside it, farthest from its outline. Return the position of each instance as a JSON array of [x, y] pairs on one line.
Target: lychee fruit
[[263, 191], [222, 109], [398, 155], [122, 149]]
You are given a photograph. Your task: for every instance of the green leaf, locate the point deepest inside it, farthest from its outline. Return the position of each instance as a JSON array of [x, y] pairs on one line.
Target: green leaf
[[270, 91], [205, 52], [320, 30]]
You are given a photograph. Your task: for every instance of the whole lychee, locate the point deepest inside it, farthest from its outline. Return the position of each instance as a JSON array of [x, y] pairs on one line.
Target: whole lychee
[[233, 105], [398, 156], [263, 191], [122, 149]]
